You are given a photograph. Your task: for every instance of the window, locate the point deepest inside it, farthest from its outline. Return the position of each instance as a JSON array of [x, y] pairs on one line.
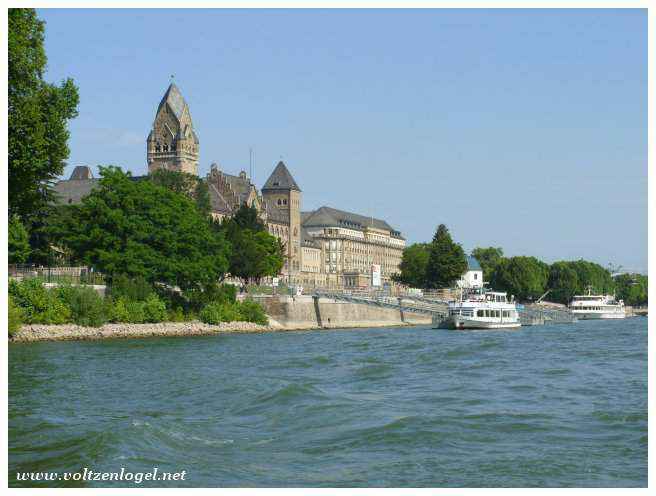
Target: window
[[284, 202], [279, 201], [475, 276]]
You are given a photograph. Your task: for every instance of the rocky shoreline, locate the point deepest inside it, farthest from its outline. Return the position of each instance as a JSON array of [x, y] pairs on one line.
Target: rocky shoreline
[[73, 332]]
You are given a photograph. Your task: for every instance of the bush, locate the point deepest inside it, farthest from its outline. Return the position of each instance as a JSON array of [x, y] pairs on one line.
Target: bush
[[15, 317], [39, 305], [135, 311], [154, 309], [87, 307], [252, 311], [130, 288], [176, 315], [119, 311], [215, 313], [248, 311]]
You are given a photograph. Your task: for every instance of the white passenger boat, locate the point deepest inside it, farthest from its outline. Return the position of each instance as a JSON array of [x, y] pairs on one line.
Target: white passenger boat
[[587, 307], [481, 309]]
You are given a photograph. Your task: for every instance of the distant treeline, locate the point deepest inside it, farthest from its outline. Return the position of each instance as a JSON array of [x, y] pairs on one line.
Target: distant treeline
[[528, 278]]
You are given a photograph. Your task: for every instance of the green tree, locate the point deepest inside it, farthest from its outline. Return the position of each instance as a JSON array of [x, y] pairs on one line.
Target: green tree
[[186, 184], [524, 277], [140, 229], [248, 218], [563, 282], [413, 265], [38, 115], [489, 258], [18, 241], [254, 254], [446, 261], [632, 288], [593, 276]]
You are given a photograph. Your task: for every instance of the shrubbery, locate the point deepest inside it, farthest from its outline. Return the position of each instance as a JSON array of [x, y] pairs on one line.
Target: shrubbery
[[15, 317], [39, 304], [154, 309], [252, 311], [247, 311], [87, 307], [129, 301]]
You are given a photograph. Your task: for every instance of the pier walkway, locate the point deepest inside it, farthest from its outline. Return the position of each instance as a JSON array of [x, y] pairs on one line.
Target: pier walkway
[[438, 309]]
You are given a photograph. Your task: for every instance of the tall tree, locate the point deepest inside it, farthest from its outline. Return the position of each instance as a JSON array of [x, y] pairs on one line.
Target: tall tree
[[140, 229], [446, 261], [18, 240], [413, 265], [563, 282], [632, 288], [488, 258], [248, 218], [184, 183], [523, 277], [38, 115]]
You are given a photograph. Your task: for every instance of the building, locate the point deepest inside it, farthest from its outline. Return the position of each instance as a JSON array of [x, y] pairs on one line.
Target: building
[[172, 142], [473, 278], [326, 247], [351, 244]]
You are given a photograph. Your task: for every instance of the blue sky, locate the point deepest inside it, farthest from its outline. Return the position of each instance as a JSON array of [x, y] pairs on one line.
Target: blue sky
[[525, 129]]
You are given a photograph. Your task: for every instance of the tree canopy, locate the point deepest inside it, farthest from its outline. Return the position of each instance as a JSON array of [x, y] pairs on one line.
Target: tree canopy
[[38, 115], [632, 288], [523, 277], [137, 228], [184, 183], [413, 265], [446, 260], [18, 241], [488, 258], [255, 252]]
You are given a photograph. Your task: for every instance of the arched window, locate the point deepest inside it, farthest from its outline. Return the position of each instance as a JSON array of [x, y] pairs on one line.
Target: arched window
[[158, 147], [279, 201], [166, 147]]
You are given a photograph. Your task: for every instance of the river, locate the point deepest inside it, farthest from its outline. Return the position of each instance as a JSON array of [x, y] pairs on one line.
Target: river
[[556, 406]]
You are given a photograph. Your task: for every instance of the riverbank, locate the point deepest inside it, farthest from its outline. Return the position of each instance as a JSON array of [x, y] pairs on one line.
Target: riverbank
[[73, 332]]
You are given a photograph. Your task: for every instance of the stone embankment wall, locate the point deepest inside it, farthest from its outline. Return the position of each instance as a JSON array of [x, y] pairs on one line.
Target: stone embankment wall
[[304, 312], [69, 332]]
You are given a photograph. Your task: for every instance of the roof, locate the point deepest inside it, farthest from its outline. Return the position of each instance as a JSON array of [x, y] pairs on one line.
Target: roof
[[73, 190], [241, 185], [331, 217], [280, 179], [176, 101], [472, 263], [217, 202], [308, 240], [81, 172]]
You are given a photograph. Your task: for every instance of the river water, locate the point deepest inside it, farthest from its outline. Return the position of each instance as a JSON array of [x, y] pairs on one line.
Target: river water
[[562, 405]]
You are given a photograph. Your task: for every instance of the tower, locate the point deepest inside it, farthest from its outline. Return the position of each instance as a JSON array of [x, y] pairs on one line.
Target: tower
[[283, 197], [172, 143]]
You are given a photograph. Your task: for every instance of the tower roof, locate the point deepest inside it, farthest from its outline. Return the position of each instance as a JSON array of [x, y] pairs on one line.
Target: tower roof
[[280, 179], [175, 100]]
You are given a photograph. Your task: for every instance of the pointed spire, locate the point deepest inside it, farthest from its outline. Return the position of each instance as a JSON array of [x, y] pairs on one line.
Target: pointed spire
[[281, 179], [174, 98]]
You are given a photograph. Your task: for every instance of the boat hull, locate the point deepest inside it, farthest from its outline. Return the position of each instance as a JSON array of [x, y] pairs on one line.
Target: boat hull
[[598, 315], [459, 322]]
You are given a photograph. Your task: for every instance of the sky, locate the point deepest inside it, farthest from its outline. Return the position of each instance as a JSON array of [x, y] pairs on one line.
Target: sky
[[523, 129]]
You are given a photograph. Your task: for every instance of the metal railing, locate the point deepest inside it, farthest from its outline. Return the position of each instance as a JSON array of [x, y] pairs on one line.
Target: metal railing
[[57, 275]]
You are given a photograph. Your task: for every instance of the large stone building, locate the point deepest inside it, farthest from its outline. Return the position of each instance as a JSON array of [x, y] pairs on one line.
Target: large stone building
[[326, 247]]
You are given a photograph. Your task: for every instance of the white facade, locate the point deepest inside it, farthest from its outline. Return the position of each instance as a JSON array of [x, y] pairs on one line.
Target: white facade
[[471, 279]]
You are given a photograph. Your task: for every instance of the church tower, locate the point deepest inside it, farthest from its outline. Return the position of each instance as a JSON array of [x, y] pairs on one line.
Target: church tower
[[172, 143], [283, 198]]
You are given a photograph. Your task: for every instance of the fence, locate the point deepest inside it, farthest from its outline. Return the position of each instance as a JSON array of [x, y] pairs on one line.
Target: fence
[[57, 275]]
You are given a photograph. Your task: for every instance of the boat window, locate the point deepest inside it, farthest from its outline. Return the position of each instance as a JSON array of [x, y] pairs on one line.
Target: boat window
[[480, 313]]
